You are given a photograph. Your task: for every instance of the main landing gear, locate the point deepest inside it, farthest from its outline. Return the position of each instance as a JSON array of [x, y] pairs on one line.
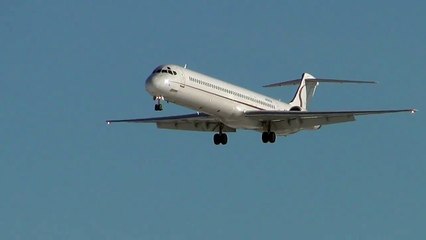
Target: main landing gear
[[268, 137], [220, 138], [158, 106]]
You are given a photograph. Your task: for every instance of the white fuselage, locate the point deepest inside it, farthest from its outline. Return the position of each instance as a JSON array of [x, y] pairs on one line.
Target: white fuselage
[[209, 95]]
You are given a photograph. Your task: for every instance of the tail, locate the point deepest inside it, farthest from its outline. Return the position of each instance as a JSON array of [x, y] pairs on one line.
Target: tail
[[304, 93], [306, 89]]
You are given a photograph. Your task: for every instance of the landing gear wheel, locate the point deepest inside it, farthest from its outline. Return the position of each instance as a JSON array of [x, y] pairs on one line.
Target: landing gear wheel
[[158, 107], [268, 137], [223, 139], [216, 139], [220, 138], [265, 137], [272, 137]]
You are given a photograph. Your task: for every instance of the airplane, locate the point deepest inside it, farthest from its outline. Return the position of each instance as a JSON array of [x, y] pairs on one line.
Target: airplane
[[222, 107]]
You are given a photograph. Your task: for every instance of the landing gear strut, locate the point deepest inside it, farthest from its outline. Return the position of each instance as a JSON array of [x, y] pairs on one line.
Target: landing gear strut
[[220, 138], [158, 106]]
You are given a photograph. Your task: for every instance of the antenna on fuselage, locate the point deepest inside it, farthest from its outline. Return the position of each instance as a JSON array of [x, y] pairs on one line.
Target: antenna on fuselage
[[185, 66]]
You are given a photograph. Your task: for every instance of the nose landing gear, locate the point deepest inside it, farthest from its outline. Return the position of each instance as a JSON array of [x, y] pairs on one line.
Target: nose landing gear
[[158, 106]]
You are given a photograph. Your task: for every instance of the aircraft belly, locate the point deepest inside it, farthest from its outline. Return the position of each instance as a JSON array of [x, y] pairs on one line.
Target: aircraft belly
[[241, 122], [231, 113], [228, 111]]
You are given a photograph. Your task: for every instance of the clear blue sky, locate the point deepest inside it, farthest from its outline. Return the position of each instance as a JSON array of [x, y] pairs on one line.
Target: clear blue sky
[[66, 66]]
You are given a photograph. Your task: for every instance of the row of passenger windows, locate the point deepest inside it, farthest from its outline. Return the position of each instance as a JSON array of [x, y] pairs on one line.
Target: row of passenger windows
[[165, 70], [232, 92]]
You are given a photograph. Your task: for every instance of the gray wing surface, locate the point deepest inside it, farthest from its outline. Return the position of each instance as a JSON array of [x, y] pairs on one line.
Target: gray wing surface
[[189, 122], [315, 118]]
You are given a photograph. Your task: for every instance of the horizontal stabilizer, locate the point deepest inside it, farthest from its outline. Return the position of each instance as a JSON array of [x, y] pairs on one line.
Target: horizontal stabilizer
[[315, 80]]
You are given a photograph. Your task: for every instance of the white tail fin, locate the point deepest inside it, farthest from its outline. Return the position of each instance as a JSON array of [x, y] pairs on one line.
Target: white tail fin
[[305, 92]]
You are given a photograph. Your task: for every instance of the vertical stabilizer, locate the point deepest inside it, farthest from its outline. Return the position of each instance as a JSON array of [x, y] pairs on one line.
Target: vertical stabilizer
[[305, 92]]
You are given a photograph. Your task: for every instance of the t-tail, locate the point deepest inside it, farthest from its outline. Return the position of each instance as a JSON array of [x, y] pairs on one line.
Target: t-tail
[[306, 90]]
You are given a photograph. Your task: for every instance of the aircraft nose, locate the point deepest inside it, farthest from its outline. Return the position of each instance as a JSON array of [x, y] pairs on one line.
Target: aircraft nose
[[153, 85], [149, 84]]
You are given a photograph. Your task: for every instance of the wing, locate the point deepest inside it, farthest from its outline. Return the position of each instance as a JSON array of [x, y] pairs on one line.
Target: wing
[[189, 122], [311, 119]]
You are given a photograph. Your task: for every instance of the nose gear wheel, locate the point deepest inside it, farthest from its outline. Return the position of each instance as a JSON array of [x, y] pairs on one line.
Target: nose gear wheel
[[158, 106]]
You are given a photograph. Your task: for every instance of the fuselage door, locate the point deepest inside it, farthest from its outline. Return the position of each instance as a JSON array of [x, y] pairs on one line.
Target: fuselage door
[[181, 75]]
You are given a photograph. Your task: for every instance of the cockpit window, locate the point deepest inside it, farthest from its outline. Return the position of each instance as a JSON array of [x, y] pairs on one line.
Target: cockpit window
[[164, 70], [157, 70]]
